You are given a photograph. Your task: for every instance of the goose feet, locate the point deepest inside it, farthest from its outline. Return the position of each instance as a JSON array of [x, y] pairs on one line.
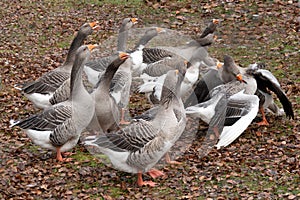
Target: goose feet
[[154, 173], [140, 181], [169, 161], [264, 121], [59, 156], [123, 121]]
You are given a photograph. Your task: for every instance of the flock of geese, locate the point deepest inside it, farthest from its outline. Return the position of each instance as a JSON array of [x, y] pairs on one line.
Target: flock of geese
[[178, 81]]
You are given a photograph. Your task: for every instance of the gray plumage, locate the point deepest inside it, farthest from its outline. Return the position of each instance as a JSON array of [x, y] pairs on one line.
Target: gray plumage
[[94, 68], [40, 91], [106, 109], [60, 126], [139, 146]]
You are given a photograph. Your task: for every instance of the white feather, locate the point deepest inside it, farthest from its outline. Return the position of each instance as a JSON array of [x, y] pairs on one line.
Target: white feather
[[92, 75], [40, 100], [230, 133], [12, 123]]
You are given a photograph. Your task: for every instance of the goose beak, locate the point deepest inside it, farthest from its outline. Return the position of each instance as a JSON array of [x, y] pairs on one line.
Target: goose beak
[[95, 25], [160, 30], [219, 65], [176, 71], [187, 64], [92, 46], [123, 55], [134, 20], [239, 77], [216, 21]]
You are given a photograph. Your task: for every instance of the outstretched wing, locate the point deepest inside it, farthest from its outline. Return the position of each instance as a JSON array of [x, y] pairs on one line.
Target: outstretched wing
[[266, 81]]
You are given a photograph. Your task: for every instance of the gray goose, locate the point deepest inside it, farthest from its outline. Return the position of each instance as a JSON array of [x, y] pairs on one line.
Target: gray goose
[[41, 90], [187, 51], [59, 127], [94, 68], [232, 106], [211, 28], [154, 74], [266, 82], [140, 145], [106, 109], [120, 85], [121, 82]]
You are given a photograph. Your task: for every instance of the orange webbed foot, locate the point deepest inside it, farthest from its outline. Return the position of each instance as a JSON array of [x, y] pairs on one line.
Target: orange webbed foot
[[154, 173]]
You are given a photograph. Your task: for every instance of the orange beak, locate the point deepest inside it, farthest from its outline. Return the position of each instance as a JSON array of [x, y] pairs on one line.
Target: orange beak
[[160, 30], [134, 20], [95, 25], [123, 55], [219, 65], [91, 46], [216, 21], [239, 77]]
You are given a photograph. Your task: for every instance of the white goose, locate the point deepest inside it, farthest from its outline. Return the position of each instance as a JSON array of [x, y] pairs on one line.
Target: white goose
[[59, 127], [139, 146], [41, 90]]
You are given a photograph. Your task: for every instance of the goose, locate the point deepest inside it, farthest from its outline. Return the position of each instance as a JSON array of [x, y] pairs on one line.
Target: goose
[[41, 90], [154, 75], [139, 146], [204, 84], [232, 106], [211, 28], [266, 82], [94, 68], [106, 109], [187, 51], [140, 54], [121, 82], [59, 127]]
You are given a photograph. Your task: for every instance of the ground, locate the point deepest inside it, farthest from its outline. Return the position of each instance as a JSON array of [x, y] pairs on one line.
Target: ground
[[262, 164]]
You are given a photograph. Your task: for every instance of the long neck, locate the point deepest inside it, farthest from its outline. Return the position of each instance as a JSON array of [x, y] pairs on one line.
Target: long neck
[[143, 41], [122, 41], [76, 78], [76, 43], [105, 80], [171, 94]]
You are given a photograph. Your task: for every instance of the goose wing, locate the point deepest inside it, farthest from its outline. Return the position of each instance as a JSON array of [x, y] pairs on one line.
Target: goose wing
[[152, 55], [47, 120], [47, 83], [62, 93], [233, 116], [119, 81], [266, 81], [132, 138]]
